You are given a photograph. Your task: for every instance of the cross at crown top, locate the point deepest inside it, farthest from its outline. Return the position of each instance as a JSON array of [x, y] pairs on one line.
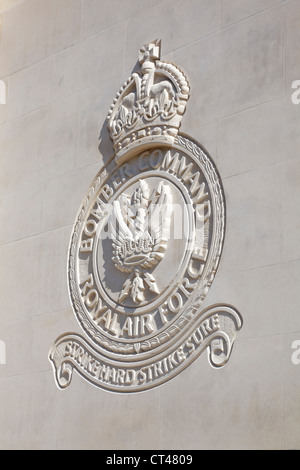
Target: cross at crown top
[[150, 51]]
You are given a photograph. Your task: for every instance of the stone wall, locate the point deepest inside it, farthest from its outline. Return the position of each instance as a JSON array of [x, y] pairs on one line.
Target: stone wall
[[62, 62]]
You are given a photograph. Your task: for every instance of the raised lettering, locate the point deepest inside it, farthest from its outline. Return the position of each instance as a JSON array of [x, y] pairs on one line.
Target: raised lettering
[[175, 302], [100, 308], [91, 299], [194, 181], [127, 328], [186, 288], [147, 322], [105, 320], [198, 257], [99, 209], [181, 356], [201, 195], [162, 312], [143, 161], [86, 245], [90, 228], [107, 192], [155, 159], [88, 283]]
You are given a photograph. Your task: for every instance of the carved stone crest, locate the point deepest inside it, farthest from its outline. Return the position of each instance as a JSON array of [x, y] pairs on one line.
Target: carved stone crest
[[146, 246]]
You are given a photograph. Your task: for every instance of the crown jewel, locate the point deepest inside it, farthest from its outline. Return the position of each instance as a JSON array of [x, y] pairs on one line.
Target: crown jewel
[[150, 105]]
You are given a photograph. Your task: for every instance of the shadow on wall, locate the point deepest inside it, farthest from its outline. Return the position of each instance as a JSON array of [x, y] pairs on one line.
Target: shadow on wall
[[105, 146], [105, 143]]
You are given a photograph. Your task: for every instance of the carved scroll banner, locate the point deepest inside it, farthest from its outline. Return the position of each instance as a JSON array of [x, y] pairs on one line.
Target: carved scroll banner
[[146, 246], [216, 332]]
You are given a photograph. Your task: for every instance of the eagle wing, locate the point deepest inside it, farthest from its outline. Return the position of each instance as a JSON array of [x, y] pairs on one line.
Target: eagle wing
[[120, 233], [160, 211]]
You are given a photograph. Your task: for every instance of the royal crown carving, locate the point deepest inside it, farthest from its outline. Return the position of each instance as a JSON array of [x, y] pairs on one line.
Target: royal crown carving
[[150, 104]]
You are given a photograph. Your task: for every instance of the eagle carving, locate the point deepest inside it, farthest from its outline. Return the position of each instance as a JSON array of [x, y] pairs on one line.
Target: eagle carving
[[140, 230]]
